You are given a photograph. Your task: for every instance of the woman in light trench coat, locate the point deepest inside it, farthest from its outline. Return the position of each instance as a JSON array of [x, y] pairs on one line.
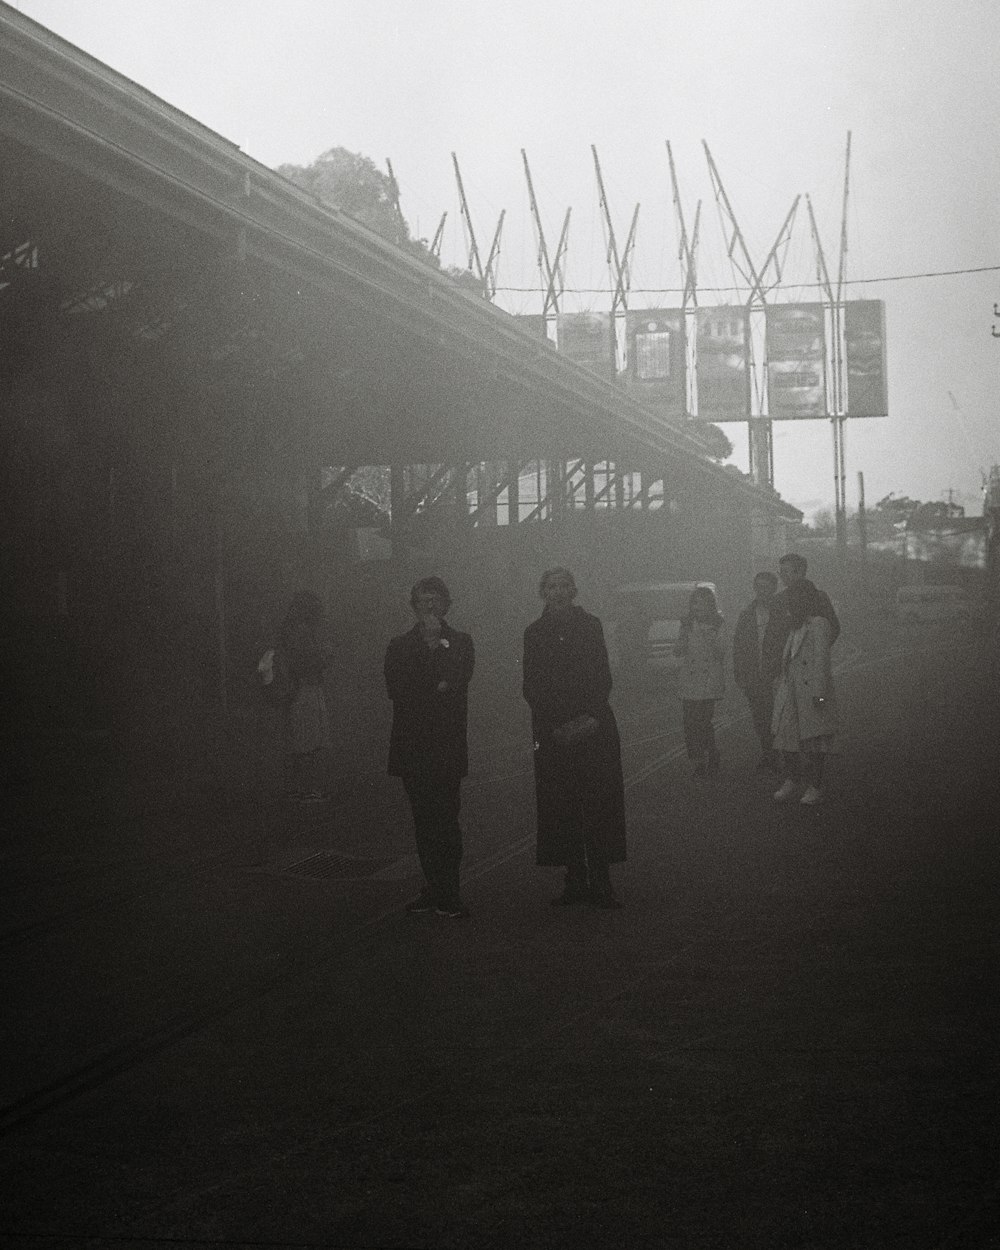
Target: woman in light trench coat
[[806, 720]]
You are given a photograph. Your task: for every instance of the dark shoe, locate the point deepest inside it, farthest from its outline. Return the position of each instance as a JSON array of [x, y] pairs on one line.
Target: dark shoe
[[606, 900], [424, 903], [453, 911]]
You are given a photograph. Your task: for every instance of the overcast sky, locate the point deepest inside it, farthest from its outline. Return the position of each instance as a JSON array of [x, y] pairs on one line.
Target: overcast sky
[[772, 86]]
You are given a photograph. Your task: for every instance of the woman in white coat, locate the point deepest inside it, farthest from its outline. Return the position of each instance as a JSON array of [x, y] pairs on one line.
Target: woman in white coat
[[701, 681], [805, 721]]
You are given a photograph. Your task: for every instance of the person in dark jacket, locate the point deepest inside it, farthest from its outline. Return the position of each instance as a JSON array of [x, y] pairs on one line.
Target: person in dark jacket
[[792, 568], [427, 675], [749, 642], [579, 788]]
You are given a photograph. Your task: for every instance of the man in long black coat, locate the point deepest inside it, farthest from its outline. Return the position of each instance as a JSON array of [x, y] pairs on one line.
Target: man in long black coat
[[427, 675], [579, 789]]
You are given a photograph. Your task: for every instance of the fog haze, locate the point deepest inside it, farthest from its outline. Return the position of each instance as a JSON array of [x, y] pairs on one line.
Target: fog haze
[[772, 88]]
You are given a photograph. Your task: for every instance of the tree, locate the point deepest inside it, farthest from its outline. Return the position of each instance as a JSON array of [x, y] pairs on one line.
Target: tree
[[718, 445], [354, 184]]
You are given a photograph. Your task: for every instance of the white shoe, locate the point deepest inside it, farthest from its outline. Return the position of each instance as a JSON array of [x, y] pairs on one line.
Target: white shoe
[[785, 791], [812, 796]]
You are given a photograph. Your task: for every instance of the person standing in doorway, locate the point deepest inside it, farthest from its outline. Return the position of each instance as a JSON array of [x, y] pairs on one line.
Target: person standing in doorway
[[701, 681], [427, 675], [579, 788], [749, 639]]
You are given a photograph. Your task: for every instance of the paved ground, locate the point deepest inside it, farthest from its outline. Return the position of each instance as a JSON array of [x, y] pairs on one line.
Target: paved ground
[[786, 1039]]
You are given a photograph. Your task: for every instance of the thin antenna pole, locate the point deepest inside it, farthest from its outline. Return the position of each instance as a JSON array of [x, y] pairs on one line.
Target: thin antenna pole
[[467, 216], [823, 277], [435, 248], [618, 266], [686, 249], [551, 274], [761, 447], [394, 190], [783, 239], [842, 267], [750, 274], [840, 420], [493, 261]]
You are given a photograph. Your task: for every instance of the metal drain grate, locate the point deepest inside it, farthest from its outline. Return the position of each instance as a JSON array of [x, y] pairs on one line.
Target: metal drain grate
[[332, 865]]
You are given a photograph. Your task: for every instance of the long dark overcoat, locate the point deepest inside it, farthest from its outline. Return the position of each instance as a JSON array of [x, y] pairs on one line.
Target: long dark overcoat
[[429, 735], [566, 674]]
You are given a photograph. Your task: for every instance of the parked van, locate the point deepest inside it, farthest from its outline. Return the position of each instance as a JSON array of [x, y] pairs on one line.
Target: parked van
[[644, 623], [915, 604]]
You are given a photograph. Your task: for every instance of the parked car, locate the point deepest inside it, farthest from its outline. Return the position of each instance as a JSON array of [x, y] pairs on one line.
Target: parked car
[[915, 604], [644, 623]]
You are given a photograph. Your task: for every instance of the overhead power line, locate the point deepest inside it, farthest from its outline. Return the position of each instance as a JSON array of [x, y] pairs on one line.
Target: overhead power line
[[676, 290]]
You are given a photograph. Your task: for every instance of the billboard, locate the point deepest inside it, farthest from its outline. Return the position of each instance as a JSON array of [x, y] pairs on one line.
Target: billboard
[[587, 339], [656, 364], [723, 368], [795, 349], [864, 349]]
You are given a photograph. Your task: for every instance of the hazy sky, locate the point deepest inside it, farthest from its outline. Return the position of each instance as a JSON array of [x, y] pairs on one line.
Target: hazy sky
[[772, 86]]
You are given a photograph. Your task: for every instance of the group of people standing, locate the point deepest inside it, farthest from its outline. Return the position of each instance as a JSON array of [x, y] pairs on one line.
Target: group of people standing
[[781, 662], [579, 787]]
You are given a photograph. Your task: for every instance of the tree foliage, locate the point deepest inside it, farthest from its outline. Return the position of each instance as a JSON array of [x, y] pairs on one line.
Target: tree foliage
[[718, 445], [354, 184]]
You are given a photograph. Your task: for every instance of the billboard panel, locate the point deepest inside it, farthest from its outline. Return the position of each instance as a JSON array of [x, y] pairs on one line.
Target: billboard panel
[[656, 364], [864, 348], [586, 338], [723, 364], [795, 346]]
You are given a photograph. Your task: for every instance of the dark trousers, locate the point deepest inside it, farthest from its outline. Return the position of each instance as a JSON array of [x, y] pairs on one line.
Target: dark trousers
[[435, 803], [761, 700], [586, 865], [699, 732]]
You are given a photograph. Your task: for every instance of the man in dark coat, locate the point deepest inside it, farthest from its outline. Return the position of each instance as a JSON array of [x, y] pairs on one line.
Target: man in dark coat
[[791, 568], [579, 789], [750, 639], [427, 675]]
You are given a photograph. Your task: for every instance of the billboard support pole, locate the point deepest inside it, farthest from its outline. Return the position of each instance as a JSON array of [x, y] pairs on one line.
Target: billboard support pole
[[619, 266], [840, 420], [687, 254], [474, 263], [551, 271], [760, 433]]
